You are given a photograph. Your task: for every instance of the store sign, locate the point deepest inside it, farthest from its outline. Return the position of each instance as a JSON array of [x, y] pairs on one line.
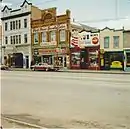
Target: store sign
[[85, 39], [53, 43], [95, 38], [51, 51], [50, 28]]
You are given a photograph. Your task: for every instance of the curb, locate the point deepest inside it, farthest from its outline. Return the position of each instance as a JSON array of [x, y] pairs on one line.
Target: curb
[[76, 71], [97, 72], [23, 123]]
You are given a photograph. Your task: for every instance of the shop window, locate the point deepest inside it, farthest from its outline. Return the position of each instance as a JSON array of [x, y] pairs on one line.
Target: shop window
[[44, 37], [75, 59], [116, 60], [93, 59], [52, 35], [128, 60], [62, 35], [115, 41], [106, 42], [36, 38]]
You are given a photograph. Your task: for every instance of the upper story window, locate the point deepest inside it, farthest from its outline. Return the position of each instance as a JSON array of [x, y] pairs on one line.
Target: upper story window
[[6, 26], [52, 35], [115, 41], [11, 25], [11, 39], [25, 23], [25, 38], [19, 39], [6, 40], [44, 36], [106, 42], [16, 24], [36, 38], [62, 35], [19, 24]]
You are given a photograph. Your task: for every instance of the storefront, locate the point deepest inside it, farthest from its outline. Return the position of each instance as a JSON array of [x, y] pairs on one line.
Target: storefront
[[113, 60], [127, 60], [52, 56], [85, 50], [87, 58]]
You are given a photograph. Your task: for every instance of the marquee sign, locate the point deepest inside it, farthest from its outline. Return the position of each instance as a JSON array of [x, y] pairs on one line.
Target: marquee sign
[[50, 28]]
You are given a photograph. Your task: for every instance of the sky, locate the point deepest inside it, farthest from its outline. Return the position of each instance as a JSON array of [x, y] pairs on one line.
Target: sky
[[95, 13]]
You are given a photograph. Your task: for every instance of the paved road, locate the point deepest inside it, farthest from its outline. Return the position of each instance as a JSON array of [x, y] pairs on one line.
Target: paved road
[[67, 99]]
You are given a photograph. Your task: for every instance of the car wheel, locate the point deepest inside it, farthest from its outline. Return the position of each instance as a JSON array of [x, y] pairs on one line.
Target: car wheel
[[46, 69]]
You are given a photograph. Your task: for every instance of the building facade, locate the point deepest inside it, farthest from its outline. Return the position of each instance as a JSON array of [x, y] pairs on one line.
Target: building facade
[[127, 50], [50, 38], [85, 50], [111, 49], [16, 30]]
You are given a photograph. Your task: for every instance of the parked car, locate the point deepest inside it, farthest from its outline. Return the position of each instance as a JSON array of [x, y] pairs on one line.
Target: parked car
[[44, 67], [4, 67]]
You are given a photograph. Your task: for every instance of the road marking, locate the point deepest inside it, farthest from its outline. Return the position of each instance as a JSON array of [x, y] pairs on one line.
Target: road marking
[[23, 123]]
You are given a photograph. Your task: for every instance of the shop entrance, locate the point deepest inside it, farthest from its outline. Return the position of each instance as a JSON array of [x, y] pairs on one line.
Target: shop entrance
[[61, 61], [47, 59]]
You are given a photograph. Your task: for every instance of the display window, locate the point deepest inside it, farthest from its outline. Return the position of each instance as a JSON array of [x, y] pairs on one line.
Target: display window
[[93, 59], [75, 59], [128, 60]]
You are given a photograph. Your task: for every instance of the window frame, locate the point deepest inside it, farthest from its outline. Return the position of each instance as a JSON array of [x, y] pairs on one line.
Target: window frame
[[6, 40], [25, 38], [115, 43], [11, 39], [61, 35], [51, 36], [25, 23], [11, 25], [19, 24], [6, 26], [108, 42], [19, 39], [45, 37], [36, 34]]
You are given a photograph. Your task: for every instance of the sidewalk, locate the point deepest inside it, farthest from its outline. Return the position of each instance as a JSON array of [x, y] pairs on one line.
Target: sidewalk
[[80, 71]]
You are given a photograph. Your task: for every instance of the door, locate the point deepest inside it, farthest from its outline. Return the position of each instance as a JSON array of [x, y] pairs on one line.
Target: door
[[18, 60], [27, 61], [83, 59]]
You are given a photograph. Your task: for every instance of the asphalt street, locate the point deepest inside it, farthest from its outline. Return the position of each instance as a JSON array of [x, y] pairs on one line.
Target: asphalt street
[[71, 100]]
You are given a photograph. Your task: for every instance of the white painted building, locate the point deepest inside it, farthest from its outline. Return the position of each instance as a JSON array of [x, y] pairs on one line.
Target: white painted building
[[16, 34]]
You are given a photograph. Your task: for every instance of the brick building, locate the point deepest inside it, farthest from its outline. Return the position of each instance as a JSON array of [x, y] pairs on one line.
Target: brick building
[[50, 38]]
